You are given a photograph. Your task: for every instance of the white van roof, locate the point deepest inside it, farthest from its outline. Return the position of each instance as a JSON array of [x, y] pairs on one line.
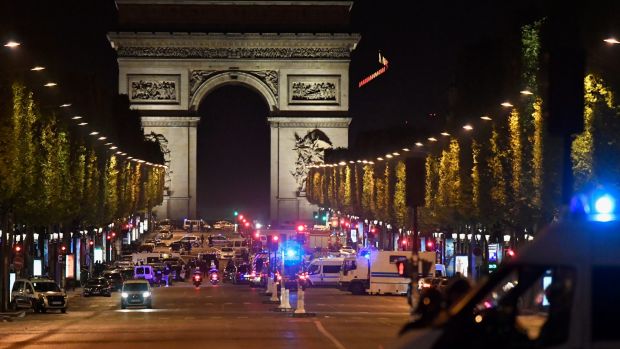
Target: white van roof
[[574, 243]]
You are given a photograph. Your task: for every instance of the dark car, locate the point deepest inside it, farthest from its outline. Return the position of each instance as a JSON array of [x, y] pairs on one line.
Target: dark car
[[127, 273], [241, 274], [115, 278], [97, 287]]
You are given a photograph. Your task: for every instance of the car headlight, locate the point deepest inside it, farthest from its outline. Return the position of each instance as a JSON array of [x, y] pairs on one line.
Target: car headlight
[[124, 295], [146, 294]]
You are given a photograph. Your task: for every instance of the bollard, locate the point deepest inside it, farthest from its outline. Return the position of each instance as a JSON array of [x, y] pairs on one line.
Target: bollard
[[287, 304], [269, 290], [300, 301], [283, 299], [274, 292]]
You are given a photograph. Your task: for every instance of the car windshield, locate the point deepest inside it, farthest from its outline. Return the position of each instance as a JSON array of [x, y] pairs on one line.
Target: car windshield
[[46, 286], [227, 249], [136, 287]]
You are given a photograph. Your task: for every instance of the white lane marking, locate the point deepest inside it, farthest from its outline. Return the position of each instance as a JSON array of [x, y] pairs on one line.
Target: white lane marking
[[329, 336], [247, 303]]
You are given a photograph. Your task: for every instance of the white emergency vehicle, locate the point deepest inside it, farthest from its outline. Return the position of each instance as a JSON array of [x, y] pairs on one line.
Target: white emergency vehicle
[[561, 291], [324, 271], [374, 272]]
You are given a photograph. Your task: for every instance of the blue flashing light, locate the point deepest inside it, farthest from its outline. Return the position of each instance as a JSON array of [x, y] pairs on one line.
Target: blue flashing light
[[597, 206], [605, 204], [365, 254], [291, 253]]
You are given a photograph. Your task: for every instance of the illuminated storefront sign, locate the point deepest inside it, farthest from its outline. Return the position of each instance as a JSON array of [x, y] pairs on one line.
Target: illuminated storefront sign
[[369, 78]]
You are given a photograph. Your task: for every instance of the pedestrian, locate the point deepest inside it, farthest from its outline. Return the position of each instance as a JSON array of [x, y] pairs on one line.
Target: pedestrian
[[210, 241], [202, 240], [167, 274]]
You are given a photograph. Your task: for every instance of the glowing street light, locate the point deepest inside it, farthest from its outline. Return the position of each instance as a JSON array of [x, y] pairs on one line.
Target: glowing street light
[[83, 124], [12, 44], [94, 133], [445, 134], [65, 105], [37, 68], [468, 127], [432, 139], [113, 147], [487, 118], [102, 138], [77, 117], [611, 41], [380, 158], [50, 84], [395, 154], [507, 105], [526, 92], [418, 144], [405, 149], [389, 156]]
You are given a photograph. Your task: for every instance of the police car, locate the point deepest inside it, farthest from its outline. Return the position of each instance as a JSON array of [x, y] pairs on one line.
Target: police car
[[559, 292]]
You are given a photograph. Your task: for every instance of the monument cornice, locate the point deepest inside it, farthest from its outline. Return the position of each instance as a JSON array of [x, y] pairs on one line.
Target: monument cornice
[[234, 45], [312, 122], [170, 121]]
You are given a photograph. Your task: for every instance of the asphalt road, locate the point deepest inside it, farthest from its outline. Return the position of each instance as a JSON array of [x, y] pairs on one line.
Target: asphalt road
[[222, 316]]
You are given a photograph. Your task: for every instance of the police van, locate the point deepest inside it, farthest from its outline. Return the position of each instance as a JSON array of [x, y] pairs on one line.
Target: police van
[[324, 271], [561, 291]]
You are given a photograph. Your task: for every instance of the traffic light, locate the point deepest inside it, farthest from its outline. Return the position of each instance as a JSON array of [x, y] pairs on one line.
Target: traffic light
[[235, 213], [17, 248], [301, 228], [91, 243], [430, 245], [63, 249], [113, 234]]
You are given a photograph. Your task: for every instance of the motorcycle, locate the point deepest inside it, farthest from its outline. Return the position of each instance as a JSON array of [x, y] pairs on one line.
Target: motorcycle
[[214, 277], [197, 279]]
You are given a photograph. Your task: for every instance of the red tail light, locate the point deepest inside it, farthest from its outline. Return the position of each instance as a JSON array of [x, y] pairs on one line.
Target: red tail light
[[214, 277], [197, 277]]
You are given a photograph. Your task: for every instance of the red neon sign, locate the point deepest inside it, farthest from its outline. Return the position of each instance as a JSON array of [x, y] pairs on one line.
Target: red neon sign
[[372, 76]]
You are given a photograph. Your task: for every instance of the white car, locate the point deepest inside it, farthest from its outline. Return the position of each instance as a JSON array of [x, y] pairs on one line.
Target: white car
[[347, 251], [223, 225], [225, 253]]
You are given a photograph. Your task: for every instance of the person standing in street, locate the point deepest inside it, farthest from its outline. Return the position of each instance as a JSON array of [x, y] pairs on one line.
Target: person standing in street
[[202, 240]]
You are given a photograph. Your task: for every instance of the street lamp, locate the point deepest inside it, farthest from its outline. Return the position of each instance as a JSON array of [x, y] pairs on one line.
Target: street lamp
[[507, 238], [611, 41], [12, 44], [507, 105], [486, 118], [468, 127]]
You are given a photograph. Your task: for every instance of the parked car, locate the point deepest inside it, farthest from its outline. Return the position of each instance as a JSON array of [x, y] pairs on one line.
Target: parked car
[[225, 253], [40, 294], [217, 240], [223, 225], [165, 235], [97, 287], [115, 278], [136, 293]]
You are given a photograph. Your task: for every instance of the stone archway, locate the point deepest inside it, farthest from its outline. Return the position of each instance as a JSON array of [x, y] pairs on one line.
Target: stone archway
[[304, 79]]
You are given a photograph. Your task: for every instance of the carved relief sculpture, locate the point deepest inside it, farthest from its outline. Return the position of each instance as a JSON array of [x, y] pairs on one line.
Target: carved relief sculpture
[[153, 89], [268, 77], [314, 89], [310, 151]]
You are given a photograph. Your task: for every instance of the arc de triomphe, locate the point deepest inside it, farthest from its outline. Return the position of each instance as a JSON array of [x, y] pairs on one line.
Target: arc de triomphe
[[303, 77]]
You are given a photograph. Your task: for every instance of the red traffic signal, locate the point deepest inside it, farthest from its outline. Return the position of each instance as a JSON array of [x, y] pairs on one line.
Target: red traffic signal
[[275, 238], [373, 230], [301, 228], [404, 242], [91, 243], [113, 234], [257, 235], [240, 217], [247, 224], [18, 248], [63, 249], [510, 252], [430, 244]]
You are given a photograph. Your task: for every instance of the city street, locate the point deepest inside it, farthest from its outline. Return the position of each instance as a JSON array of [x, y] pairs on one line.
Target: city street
[[231, 316]]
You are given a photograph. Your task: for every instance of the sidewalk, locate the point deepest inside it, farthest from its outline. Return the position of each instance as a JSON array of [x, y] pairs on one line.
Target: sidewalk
[[9, 316]]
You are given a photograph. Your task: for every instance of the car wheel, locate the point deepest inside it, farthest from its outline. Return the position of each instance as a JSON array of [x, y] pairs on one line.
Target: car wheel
[[63, 310]]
